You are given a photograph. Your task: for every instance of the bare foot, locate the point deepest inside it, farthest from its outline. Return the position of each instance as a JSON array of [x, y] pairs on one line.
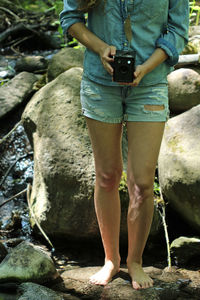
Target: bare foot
[[140, 280], [105, 274]]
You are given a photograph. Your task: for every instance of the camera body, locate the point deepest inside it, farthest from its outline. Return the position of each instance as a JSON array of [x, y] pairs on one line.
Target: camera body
[[123, 66]]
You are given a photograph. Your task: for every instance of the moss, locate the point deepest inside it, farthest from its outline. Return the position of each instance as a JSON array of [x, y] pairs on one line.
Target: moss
[[174, 144], [190, 49], [123, 183]]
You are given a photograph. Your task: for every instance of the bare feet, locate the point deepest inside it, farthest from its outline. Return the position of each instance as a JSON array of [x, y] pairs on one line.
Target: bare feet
[[140, 280], [105, 274]]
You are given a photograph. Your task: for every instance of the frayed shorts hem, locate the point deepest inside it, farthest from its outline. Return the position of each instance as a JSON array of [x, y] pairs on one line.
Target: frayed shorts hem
[[121, 120], [102, 119]]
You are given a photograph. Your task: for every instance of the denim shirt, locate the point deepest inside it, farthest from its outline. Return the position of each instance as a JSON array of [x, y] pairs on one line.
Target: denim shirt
[[154, 24]]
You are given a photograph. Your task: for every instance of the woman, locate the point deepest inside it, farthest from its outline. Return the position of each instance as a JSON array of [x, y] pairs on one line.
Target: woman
[[156, 30]]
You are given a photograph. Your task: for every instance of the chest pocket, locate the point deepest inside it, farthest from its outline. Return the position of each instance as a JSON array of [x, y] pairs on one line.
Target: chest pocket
[[153, 8]]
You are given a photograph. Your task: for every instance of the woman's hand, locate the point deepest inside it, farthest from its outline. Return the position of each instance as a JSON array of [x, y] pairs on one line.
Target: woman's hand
[[157, 57], [139, 73], [106, 55]]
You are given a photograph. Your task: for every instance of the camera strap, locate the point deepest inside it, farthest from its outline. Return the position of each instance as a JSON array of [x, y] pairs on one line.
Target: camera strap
[[127, 28]]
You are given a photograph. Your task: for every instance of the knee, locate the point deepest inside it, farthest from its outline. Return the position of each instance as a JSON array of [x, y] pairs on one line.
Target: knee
[[140, 190], [109, 179]]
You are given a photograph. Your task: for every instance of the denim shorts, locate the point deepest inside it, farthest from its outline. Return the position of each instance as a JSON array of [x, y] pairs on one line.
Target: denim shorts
[[116, 104]]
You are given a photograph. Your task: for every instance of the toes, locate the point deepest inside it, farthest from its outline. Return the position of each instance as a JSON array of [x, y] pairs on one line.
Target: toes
[[136, 285], [142, 285]]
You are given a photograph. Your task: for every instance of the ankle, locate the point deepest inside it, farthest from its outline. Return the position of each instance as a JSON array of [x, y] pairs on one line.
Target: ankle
[[133, 260], [115, 262]]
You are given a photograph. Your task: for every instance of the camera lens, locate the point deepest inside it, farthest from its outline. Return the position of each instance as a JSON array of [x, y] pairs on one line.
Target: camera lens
[[123, 69]]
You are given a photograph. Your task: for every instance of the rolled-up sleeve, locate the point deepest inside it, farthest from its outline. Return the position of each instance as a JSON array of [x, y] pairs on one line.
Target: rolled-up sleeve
[[70, 14], [174, 39]]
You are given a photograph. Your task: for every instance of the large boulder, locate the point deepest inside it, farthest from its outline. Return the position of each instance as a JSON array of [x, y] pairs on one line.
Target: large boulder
[[64, 60], [178, 165], [62, 192], [184, 90]]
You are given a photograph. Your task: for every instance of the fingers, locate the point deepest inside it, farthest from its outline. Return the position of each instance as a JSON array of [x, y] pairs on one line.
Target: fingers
[[107, 58], [138, 75]]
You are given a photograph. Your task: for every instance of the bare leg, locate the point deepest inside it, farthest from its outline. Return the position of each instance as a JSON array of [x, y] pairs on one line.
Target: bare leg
[[144, 141], [106, 143]]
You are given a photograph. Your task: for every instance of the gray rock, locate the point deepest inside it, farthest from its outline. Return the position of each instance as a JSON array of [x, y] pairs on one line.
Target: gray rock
[[16, 92], [31, 64], [167, 285], [195, 42], [194, 30], [62, 193], [27, 262], [33, 291], [185, 248], [64, 60], [178, 165], [184, 90]]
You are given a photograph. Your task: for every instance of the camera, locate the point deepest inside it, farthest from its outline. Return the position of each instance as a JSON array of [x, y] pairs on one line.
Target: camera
[[123, 66]]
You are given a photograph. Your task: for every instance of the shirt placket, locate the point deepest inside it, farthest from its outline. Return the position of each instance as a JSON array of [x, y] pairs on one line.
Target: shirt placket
[[124, 14]]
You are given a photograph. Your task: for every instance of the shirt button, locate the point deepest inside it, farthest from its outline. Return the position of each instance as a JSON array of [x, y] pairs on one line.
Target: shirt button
[[125, 44]]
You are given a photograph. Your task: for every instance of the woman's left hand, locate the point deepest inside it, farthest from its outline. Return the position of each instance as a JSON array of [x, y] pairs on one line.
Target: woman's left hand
[[139, 73]]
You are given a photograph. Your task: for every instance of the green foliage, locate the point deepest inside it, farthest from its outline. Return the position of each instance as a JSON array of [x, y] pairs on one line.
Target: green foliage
[[194, 12], [123, 183], [156, 187]]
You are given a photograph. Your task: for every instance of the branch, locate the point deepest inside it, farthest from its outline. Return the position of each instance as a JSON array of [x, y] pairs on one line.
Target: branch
[[188, 59], [10, 168], [15, 196], [34, 217], [10, 132], [10, 12], [161, 210], [19, 27]]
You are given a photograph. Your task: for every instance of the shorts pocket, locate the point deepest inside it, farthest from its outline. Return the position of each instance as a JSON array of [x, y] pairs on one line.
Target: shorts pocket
[[90, 89]]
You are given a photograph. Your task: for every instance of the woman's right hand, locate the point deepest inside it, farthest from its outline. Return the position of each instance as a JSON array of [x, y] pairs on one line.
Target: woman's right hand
[[106, 55]]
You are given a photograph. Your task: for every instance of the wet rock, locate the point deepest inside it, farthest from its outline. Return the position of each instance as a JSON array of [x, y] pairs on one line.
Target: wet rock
[[33, 291], [3, 251], [184, 249], [64, 60], [184, 90], [7, 73], [27, 262], [31, 64], [171, 284], [178, 165], [16, 92]]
